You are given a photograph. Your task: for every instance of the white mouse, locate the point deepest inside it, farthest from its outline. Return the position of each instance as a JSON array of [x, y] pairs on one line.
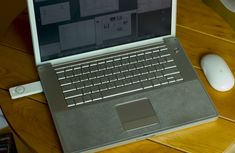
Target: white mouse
[[217, 72]]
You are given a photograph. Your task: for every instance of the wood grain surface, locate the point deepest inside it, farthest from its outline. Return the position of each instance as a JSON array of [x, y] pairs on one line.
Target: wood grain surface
[[200, 30], [212, 137]]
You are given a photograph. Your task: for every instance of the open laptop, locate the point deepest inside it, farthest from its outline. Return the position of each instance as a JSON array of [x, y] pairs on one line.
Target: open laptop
[[113, 71]]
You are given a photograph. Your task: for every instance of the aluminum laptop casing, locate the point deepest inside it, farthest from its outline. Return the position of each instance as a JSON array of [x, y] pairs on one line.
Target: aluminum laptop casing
[[97, 126]]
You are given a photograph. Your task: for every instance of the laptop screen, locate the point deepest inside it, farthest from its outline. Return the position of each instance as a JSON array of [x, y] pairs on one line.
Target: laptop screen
[[68, 27]]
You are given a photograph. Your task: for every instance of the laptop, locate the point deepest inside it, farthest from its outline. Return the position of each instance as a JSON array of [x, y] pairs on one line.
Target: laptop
[[113, 71]]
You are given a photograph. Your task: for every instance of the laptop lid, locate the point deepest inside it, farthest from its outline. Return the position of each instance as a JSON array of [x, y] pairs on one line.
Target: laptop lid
[[65, 30]]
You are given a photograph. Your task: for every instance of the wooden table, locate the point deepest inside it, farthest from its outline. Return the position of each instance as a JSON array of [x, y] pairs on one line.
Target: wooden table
[[199, 29], [8, 13]]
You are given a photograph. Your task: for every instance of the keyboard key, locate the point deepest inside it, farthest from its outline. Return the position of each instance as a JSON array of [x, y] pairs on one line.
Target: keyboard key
[[103, 87], [84, 77], [169, 59], [75, 79], [96, 96], [70, 102], [155, 50], [95, 89], [143, 71], [109, 65], [93, 69], [78, 100], [77, 72], [117, 59], [171, 71], [108, 72], [151, 76], [164, 49], [128, 74], [104, 80], [88, 83], [86, 91], [169, 65], [155, 82], [133, 59], [99, 74], [69, 73], [112, 78], [111, 85], [125, 62], [109, 60], [72, 94], [80, 85], [92, 76], [96, 82], [123, 69], [155, 55], [136, 73], [170, 77], [119, 83], [135, 79], [116, 70], [127, 81], [143, 78], [163, 80], [171, 81], [154, 62], [64, 82], [158, 74], [139, 65], [131, 67], [85, 70], [61, 75], [140, 58], [125, 57], [164, 53], [159, 67], [79, 92], [148, 56], [162, 60], [147, 64], [102, 67], [117, 63], [120, 76], [147, 84], [151, 69], [87, 98], [68, 88]]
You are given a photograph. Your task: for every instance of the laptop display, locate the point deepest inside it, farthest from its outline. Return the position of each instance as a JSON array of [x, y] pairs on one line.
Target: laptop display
[[69, 27]]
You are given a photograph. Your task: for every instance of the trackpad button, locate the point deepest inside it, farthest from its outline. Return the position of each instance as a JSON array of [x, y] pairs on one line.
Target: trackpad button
[[136, 114]]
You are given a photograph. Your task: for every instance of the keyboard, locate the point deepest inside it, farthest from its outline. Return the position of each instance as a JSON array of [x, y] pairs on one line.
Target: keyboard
[[116, 75]]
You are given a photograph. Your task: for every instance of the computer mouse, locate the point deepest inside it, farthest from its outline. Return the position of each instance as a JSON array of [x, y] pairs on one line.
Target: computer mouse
[[217, 72]]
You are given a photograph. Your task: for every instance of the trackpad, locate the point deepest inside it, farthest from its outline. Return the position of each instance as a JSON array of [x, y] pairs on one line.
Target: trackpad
[[136, 114]]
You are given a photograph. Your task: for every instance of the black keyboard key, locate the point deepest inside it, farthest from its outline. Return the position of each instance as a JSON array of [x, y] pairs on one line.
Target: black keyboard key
[[67, 88], [147, 84], [156, 82], [70, 102], [65, 82], [96, 96], [79, 100]]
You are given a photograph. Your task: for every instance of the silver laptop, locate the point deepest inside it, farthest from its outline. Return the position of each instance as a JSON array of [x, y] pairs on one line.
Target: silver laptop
[[114, 72]]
